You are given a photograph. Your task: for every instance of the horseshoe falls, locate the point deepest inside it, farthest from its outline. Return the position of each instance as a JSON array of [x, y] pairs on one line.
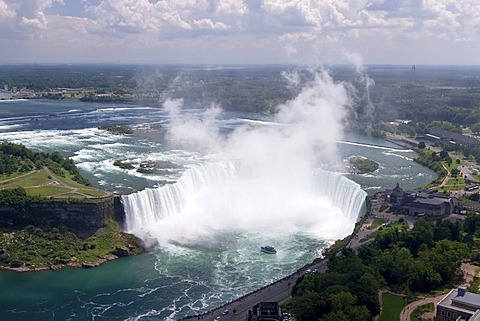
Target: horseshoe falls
[[217, 198]]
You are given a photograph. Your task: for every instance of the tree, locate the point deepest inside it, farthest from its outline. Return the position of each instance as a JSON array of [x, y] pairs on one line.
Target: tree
[[350, 313], [475, 127], [306, 307], [421, 145], [443, 154]]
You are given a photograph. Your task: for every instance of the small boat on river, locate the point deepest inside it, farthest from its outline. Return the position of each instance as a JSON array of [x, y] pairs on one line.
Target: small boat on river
[[268, 249]]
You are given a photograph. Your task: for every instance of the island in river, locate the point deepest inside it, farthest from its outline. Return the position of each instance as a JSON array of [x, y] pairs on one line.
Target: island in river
[[50, 216], [363, 165]]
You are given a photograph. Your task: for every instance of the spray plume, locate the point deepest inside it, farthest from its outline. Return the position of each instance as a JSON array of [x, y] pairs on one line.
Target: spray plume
[[262, 179]]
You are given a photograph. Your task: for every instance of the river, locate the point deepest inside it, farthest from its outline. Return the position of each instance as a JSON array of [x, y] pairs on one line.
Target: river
[[212, 262]]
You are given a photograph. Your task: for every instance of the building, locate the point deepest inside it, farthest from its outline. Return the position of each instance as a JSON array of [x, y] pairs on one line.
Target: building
[[265, 311], [450, 138], [421, 203], [396, 196], [459, 305]]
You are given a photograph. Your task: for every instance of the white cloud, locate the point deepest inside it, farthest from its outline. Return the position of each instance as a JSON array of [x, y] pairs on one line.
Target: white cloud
[[6, 11], [209, 24], [253, 29], [39, 22], [232, 7], [294, 37]]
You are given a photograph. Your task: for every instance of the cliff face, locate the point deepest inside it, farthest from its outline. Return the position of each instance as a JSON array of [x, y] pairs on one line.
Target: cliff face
[[80, 218]]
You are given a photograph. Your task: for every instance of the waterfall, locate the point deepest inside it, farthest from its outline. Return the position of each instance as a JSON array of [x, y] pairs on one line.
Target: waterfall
[[153, 204], [226, 195], [344, 193]]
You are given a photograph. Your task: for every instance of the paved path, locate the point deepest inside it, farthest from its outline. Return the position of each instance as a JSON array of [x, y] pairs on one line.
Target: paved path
[[71, 189], [469, 271], [408, 309]]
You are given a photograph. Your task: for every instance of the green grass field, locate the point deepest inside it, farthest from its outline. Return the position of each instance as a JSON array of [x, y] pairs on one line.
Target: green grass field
[[378, 221], [429, 307], [45, 184], [392, 307], [46, 191], [456, 181]]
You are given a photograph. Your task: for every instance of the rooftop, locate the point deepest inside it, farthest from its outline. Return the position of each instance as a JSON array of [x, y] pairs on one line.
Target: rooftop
[[430, 201], [465, 301]]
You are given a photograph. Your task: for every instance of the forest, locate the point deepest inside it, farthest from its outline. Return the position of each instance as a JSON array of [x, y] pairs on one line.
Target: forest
[[380, 93], [420, 260]]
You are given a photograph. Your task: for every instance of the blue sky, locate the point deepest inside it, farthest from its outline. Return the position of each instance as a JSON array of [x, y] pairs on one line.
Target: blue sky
[[240, 31]]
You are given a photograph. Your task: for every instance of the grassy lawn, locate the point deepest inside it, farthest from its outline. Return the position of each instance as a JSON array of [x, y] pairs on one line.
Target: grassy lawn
[[39, 183], [91, 191], [33, 178], [46, 191], [475, 285], [429, 307], [397, 225], [459, 187], [70, 182], [453, 165], [392, 307], [456, 181], [5, 178], [70, 195], [378, 221]]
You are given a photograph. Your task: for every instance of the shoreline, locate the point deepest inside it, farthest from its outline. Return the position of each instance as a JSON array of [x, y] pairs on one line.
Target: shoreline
[[55, 267]]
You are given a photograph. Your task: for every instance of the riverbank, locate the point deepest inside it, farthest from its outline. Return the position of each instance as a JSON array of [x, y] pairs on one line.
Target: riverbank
[[33, 249]]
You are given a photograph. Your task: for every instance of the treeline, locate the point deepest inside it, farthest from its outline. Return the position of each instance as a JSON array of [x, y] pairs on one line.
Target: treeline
[[423, 259], [433, 161], [15, 197], [421, 128], [348, 291], [428, 94], [42, 77], [105, 99], [17, 158]]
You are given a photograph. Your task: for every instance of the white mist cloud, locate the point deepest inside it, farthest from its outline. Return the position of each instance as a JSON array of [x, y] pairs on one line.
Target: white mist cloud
[[194, 132], [259, 179]]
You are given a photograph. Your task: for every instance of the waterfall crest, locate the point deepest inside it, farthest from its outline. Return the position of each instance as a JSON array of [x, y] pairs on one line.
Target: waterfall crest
[[233, 197], [344, 193]]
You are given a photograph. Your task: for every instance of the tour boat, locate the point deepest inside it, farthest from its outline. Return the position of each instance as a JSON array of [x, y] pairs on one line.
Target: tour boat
[[268, 249]]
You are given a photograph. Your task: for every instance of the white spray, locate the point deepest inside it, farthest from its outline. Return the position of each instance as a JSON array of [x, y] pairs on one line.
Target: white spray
[[263, 179]]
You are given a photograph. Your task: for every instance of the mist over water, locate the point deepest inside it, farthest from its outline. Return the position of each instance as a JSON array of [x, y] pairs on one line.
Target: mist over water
[[263, 180]]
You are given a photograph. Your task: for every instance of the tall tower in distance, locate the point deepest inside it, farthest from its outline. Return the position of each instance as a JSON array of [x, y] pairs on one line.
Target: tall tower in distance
[[413, 78]]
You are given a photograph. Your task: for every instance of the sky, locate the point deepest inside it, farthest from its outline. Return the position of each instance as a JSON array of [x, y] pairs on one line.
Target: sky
[[240, 31]]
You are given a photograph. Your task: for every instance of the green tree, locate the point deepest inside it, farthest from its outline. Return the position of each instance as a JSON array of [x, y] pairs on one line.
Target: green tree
[[307, 306]]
